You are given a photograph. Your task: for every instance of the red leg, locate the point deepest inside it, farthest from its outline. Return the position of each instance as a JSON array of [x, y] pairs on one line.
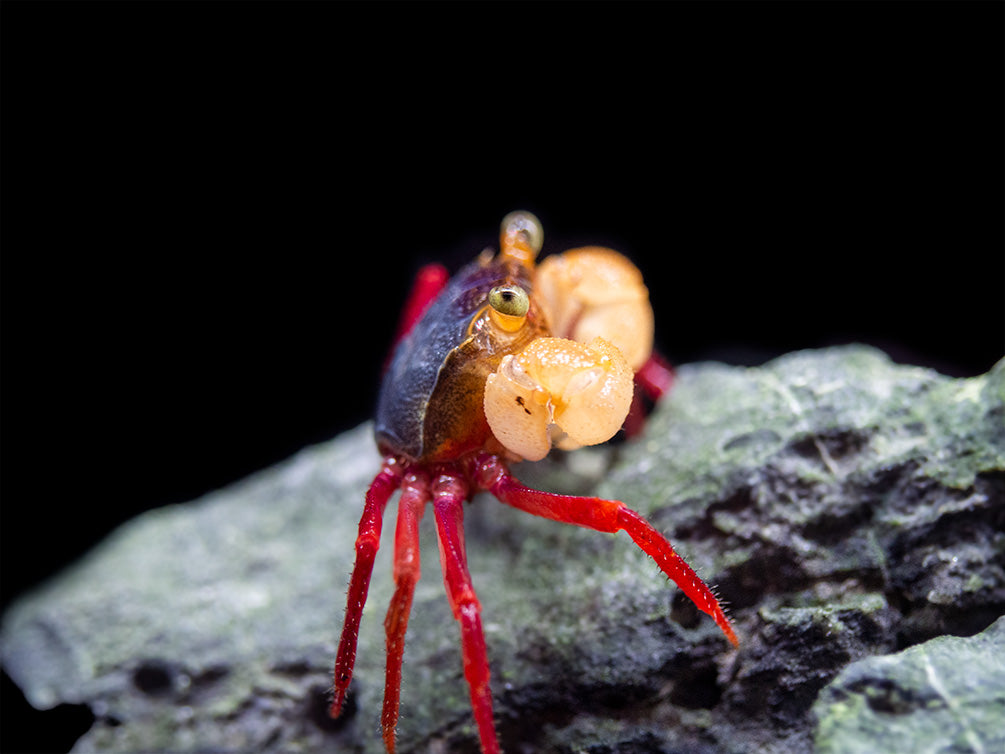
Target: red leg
[[429, 281], [655, 377], [414, 495], [606, 516], [653, 380], [636, 418], [367, 543], [449, 493]]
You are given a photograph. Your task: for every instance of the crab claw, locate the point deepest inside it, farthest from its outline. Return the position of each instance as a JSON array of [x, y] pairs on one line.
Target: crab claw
[[558, 390], [594, 291]]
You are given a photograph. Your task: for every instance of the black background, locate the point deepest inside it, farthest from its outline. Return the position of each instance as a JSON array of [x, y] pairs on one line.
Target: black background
[[211, 213]]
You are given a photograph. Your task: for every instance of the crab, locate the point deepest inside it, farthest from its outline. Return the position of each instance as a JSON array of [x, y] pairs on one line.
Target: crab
[[497, 365]]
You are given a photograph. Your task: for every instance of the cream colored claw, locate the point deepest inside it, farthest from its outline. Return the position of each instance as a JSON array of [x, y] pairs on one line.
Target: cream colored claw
[[558, 390], [594, 291]]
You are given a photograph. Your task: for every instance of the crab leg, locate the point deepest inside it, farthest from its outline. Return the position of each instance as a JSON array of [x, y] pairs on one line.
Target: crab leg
[[655, 377], [367, 543], [652, 380], [428, 283], [414, 495], [449, 493], [607, 516]]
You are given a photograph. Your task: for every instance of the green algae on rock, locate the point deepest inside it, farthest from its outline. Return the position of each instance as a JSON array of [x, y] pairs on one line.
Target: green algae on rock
[[945, 695]]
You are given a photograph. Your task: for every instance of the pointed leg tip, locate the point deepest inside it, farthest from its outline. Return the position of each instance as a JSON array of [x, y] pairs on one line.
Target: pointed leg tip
[[727, 628], [336, 706], [389, 741]]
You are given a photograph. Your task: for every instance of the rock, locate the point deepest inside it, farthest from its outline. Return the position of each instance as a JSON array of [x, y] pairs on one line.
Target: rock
[[945, 695], [847, 508], [200, 625]]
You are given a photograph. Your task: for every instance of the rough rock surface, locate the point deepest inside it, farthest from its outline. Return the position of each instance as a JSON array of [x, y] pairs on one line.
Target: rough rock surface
[[846, 507], [947, 694]]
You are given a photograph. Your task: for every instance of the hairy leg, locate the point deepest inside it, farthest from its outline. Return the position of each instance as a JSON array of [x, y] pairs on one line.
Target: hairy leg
[[449, 493], [607, 516], [414, 495], [367, 543]]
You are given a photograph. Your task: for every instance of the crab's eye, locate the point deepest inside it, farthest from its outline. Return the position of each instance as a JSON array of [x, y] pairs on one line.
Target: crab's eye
[[523, 229], [510, 300], [508, 307]]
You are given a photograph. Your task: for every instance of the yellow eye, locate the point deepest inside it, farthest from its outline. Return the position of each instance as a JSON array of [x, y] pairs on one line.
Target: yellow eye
[[521, 237], [508, 307], [509, 300]]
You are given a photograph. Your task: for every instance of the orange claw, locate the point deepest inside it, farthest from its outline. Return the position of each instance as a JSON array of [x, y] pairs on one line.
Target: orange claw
[[558, 390]]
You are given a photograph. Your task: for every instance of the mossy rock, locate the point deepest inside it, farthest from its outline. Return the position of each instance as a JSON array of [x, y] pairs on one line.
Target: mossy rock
[[845, 506]]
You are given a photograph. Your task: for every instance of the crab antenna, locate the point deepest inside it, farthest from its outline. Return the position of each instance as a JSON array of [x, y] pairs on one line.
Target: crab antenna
[[521, 237]]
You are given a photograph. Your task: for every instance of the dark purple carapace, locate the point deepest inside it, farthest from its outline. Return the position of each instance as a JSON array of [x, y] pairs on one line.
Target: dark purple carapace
[[430, 401]]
